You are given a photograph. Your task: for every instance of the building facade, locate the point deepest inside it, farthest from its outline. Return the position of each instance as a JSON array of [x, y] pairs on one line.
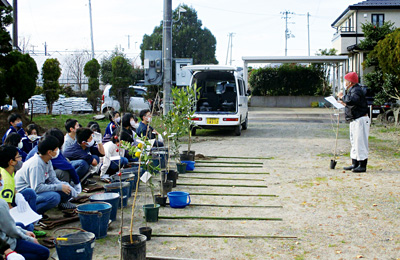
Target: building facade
[[349, 33]]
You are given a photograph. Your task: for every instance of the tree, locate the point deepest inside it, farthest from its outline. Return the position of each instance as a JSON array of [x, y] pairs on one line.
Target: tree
[[75, 65], [387, 53], [5, 46], [121, 71], [92, 70], [325, 70], [375, 79], [51, 72], [5, 38], [20, 77], [189, 39], [106, 65]]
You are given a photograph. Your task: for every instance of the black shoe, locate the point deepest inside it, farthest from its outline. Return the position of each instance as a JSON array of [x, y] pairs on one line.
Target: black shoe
[[362, 167], [89, 182], [354, 164], [66, 205]]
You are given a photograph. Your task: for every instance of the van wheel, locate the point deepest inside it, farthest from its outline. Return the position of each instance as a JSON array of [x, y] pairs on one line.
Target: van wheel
[[193, 131], [238, 130], [244, 125]]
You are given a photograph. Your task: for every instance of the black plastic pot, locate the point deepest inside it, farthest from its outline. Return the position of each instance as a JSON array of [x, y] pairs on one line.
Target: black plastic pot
[[167, 187], [173, 176], [333, 164], [185, 156], [158, 199], [146, 231], [135, 250], [181, 167]]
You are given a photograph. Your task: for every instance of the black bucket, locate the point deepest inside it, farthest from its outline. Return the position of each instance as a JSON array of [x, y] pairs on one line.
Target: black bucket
[[146, 231], [158, 199], [135, 250], [78, 245], [172, 175], [333, 164]]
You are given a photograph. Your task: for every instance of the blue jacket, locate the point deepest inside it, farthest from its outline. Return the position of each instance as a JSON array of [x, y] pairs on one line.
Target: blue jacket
[[59, 163], [142, 130], [20, 131], [28, 144], [75, 152], [23, 154], [111, 127]]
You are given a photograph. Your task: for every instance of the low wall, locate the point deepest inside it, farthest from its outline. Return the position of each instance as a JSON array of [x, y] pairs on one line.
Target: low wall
[[284, 101]]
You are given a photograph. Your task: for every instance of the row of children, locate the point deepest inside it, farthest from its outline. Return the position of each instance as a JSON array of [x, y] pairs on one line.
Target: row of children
[[50, 170]]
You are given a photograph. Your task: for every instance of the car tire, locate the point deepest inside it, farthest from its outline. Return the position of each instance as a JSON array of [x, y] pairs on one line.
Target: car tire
[[238, 130], [193, 131], [106, 109], [245, 123]]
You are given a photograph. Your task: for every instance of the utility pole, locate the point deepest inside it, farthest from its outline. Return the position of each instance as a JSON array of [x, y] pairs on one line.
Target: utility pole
[[129, 42], [167, 55], [230, 42], [91, 27], [45, 49], [287, 32], [15, 25], [227, 50], [230, 62], [308, 30]]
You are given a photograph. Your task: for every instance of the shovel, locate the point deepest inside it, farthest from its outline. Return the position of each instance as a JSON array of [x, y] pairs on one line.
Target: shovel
[[333, 162]]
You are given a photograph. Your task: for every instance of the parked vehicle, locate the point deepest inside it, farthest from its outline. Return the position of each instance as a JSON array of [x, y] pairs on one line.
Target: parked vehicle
[[223, 98], [137, 100]]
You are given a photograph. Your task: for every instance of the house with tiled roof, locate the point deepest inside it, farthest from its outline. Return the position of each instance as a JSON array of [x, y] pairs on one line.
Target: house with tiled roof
[[348, 28]]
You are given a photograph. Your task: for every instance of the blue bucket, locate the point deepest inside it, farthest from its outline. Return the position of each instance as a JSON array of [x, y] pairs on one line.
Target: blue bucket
[[115, 187], [127, 177], [110, 197], [94, 217], [189, 165], [178, 199], [78, 245]]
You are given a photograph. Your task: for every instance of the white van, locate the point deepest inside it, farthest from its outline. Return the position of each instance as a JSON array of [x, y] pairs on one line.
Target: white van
[[223, 97], [137, 99]]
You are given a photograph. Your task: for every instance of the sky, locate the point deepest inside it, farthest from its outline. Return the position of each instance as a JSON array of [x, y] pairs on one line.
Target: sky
[[258, 27]]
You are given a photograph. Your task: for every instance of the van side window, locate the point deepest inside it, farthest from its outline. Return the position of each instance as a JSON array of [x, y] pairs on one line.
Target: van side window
[[241, 87]]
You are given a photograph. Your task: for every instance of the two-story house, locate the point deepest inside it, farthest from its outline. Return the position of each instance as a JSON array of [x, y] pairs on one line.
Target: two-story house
[[348, 28]]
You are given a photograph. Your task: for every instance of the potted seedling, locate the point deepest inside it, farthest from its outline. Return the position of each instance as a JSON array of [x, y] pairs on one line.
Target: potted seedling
[[185, 103]]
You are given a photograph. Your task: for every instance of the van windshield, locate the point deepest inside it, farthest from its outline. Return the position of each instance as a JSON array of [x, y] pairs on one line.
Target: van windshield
[[218, 91]]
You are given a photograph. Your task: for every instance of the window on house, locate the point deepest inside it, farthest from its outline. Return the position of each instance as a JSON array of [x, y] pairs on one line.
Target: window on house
[[378, 19]]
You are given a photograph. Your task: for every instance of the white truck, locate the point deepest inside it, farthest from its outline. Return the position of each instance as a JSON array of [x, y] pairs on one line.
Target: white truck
[[223, 98]]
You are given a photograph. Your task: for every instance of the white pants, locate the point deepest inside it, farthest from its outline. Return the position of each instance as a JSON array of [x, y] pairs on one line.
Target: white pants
[[359, 131]]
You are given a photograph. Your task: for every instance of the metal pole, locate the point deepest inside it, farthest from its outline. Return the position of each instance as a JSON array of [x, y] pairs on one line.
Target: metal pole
[[308, 29], [15, 25], [167, 54], [230, 63], [286, 32], [91, 27], [227, 52]]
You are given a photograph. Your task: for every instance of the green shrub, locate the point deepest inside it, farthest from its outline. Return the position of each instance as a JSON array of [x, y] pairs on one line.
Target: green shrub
[[287, 80]]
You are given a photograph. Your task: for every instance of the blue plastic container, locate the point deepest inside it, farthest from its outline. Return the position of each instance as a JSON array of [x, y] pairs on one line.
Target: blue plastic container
[[110, 197], [189, 165], [79, 245], [115, 187], [178, 199], [94, 217], [160, 158], [127, 177]]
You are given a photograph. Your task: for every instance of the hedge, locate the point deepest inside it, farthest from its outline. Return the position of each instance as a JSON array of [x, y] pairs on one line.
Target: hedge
[[287, 80]]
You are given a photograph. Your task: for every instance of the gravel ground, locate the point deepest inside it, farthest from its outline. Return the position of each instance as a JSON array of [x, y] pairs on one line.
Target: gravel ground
[[329, 214]]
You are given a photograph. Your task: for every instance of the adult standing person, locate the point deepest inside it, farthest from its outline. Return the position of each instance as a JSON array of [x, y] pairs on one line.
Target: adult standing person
[[356, 112]]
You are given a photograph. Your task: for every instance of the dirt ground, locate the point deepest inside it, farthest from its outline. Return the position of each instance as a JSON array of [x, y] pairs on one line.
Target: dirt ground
[[329, 214]]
